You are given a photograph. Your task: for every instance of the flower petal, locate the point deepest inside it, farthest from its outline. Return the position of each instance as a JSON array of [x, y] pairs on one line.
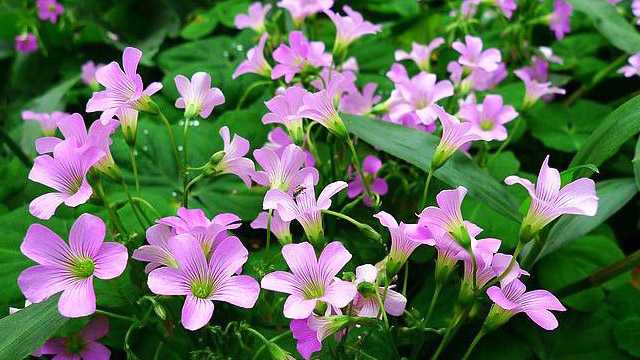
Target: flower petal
[[110, 261], [45, 247], [196, 312], [86, 235], [78, 300], [241, 290], [296, 307]]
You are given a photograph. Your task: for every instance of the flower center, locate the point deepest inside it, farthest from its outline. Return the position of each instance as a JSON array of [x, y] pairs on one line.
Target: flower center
[[486, 124], [52, 8], [202, 289], [75, 344], [313, 291], [82, 267]]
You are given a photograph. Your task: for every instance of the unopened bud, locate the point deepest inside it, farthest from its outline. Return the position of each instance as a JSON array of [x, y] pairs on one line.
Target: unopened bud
[[348, 276], [216, 158], [369, 232], [321, 308], [277, 353], [367, 289]]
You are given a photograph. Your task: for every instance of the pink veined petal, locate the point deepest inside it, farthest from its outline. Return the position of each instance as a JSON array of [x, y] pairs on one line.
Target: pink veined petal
[[540, 299], [153, 88], [281, 281], [46, 144], [369, 307], [324, 199], [228, 257], [79, 299], [81, 196], [387, 220], [39, 282], [240, 290], [283, 202], [367, 272], [544, 318], [578, 197], [98, 327], [339, 293], [95, 351], [196, 312], [528, 185], [45, 247], [548, 184], [110, 261], [189, 254], [395, 303], [307, 340], [130, 59], [296, 307], [301, 258], [193, 217], [333, 258], [497, 296], [183, 85], [86, 235], [168, 281], [158, 235], [73, 126]]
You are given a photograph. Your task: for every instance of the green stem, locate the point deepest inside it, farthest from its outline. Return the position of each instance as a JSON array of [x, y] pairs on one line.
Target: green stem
[[185, 167], [269, 215], [473, 344], [451, 331], [115, 219], [356, 163], [343, 216], [134, 164], [507, 141], [246, 92], [134, 207], [406, 278], [147, 204], [597, 78], [273, 339], [425, 192], [172, 139], [15, 148], [185, 194], [532, 256], [381, 304], [434, 299], [115, 316]]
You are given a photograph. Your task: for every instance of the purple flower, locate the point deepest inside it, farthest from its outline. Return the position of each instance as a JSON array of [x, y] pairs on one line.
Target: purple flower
[[629, 70], [403, 242], [89, 73], [357, 103], [70, 268], [204, 281], [48, 122], [255, 18], [279, 227], [534, 90], [398, 74], [366, 303], [489, 117], [511, 299], [420, 54], [447, 216], [320, 106], [285, 110], [299, 54], [310, 332], [418, 95], [197, 97], [454, 135], [304, 207], [635, 9], [472, 56], [484, 251], [338, 84], [157, 253], [49, 10], [301, 9], [559, 21], [65, 172], [350, 27], [370, 166], [507, 7], [351, 64], [124, 90], [255, 63], [549, 199], [311, 281], [278, 140], [282, 172], [233, 161], [81, 345], [26, 43], [499, 264]]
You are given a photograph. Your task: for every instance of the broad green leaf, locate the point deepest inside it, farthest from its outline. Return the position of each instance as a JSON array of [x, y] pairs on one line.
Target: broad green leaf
[[53, 99], [627, 333], [221, 51], [26, 330], [613, 195], [503, 165], [636, 164], [620, 126], [228, 9], [610, 23], [417, 148], [200, 26]]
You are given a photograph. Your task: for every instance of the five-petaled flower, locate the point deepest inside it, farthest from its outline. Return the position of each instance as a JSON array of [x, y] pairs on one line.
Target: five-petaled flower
[[254, 19], [197, 97], [81, 345], [255, 63], [370, 166]]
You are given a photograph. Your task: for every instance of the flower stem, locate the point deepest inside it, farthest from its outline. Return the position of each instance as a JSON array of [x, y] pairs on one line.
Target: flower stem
[[473, 344], [115, 219], [269, 215], [249, 89], [356, 163], [425, 192], [343, 216], [134, 164], [185, 193], [115, 316], [147, 204], [507, 141], [172, 139], [451, 331], [406, 278], [434, 299], [134, 207], [185, 171]]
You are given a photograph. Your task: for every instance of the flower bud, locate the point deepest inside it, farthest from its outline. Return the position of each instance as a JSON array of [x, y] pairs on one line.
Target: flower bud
[[348, 276], [277, 353], [321, 308], [369, 232], [367, 289], [145, 104]]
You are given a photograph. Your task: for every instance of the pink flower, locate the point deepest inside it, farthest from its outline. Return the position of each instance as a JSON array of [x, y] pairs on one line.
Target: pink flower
[[197, 97], [255, 18], [255, 63], [351, 64], [350, 27], [366, 303], [559, 21], [454, 135], [511, 299], [279, 227], [418, 95], [357, 103], [310, 332], [635, 9], [300, 53], [65, 172], [233, 161], [285, 110], [484, 251], [82, 345], [403, 241], [549, 199], [398, 74], [89, 73], [311, 281], [304, 207], [472, 56], [507, 7], [157, 253], [282, 172], [48, 122], [49, 10], [339, 85], [447, 216], [301, 9], [534, 90], [26, 43], [278, 140], [489, 117], [204, 281], [370, 166], [420, 54], [629, 70], [320, 106], [70, 268], [124, 90]]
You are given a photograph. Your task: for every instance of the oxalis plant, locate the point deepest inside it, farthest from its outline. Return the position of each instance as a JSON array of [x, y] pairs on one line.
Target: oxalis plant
[[306, 188]]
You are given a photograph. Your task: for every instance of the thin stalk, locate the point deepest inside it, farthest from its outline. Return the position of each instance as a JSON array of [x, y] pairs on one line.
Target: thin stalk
[[451, 331], [273, 339], [507, 141], [246, 92], [115, 316], [185, 167], [172, 139], [508, 268], [115, 219], [382, 310], [134, 207], [597, 78], [185, 194], [356, 163], [269, 215], [434, 299], [425, 192], [473, 344], [15, 148], [406, 278], [134, 164], [343, 216], [148, 205]]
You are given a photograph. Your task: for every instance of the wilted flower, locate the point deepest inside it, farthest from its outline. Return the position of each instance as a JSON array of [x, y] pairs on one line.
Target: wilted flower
[[472, 56], [366, 301], [197, 97], [549, 199], [255, 63], [48, 122], [279, 227], [301, 9], [282, 172], [489, 117], [205, 281], [26, 43], [89, 74], [82, 345], [254, 19], [534, 90], [454, 135], [420, 54], [300, 53], [233, 161], [350, 27], [311, 281], [285, 110], [49, 10], [628, 70], [559, 21], [70, 268], [370, 166]]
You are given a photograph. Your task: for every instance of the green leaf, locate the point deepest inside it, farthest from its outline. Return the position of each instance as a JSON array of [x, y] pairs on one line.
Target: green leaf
[[228, 9], [610, 23], [567, 176], [417, 148], [576, 261], [620, 126], [627, 333], [26, 330], [613, 194], [636, 164], [503, 165], [53, 99], [200, 26], [221, 51]]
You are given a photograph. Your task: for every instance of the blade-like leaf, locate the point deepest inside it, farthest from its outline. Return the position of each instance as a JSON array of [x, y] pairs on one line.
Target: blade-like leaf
[[417, 148], [26, 330], [620, 126], [636, 164]]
